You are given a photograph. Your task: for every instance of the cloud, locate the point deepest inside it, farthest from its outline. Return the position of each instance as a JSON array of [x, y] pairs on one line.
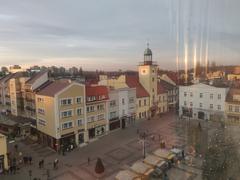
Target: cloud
[[93, 31]]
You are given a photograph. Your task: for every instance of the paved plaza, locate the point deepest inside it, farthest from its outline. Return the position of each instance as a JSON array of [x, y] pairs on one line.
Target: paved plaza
[[118, 150]]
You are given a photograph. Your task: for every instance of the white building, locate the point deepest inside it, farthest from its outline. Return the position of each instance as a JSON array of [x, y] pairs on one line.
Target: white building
[[121, 107], [201, 101]]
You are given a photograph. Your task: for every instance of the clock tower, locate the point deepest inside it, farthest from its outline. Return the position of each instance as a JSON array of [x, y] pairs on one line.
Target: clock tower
[[147, 71]]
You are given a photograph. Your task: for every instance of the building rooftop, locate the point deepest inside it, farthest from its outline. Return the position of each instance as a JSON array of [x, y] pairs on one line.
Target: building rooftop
[[160, 88], [231, 93], [35, 77], [99, 92], [133, 82], [54, 87]]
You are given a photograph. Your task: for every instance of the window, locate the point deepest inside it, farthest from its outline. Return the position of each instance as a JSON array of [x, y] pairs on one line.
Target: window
[[91, 98], [80, 122], [68, 113], [219, 107], [201, 95], [113, 115], [160, 98], [230, 108], [41, 122], [131, 100], [67, 125], [153, 90], [123, 101], [145, 102], [236, 108], [113, 103], [185, 94], [200, 105], [163, 98], [211, 96], [90, 119], [211, 106], [40, 100], [191, 94], [100, 107], [152, 79], [140, 103], [79, 111], [79, 100], [123, 112], [185, 103], [101, 117], [66, 101], [219, 96], [191, 104], [90, 109], [41, 111]]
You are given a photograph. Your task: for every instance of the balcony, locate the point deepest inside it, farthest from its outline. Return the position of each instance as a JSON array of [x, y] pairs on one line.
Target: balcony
[[148, 63]]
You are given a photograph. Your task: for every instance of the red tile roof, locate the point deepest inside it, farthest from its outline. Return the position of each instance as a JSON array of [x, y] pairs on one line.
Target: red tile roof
[[99, 92], [160, 88], [231, 93], [54, 87], [132, 81]]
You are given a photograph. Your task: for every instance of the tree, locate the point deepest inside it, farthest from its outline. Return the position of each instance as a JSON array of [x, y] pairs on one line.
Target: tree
[[99, 168], [222, 158]]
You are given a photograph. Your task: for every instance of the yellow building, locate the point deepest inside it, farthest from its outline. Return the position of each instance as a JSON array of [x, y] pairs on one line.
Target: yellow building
[[3, 154], [232, 107], [232, 77], [149, 97], [60, 108], [96, 111]]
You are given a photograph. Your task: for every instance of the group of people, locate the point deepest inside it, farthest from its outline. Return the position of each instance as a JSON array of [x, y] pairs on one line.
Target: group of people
[[27, 160]]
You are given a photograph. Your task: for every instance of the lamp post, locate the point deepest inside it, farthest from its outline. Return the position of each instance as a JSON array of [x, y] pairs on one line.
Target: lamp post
[[30, 174]]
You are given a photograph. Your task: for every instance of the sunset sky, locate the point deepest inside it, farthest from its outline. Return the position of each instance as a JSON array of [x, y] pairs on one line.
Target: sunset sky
[[112, 34]]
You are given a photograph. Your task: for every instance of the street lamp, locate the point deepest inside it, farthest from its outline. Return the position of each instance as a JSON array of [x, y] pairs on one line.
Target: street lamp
[[30, 174]]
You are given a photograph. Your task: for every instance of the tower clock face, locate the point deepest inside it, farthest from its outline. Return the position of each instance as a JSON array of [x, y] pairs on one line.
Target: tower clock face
[[144, 71]]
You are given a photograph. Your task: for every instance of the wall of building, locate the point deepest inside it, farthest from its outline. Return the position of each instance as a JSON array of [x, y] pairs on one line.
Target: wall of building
[[209, 103], [3, 150]]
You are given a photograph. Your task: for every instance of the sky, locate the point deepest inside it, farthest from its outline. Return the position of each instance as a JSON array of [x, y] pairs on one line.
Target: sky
[[112, 34]]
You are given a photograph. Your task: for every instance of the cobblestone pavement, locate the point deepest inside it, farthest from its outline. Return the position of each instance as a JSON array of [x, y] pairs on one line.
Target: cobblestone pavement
[[118, 150]]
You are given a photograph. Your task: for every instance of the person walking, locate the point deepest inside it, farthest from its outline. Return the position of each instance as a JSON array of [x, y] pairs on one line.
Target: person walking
[[30, 160], [88, 160]]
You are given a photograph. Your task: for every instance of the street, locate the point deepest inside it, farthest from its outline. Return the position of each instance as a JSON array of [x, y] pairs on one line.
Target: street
[[118, 150]]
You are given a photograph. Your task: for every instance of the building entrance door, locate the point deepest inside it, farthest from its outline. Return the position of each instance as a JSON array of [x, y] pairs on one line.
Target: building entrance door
[[91, 133], [1, 164]]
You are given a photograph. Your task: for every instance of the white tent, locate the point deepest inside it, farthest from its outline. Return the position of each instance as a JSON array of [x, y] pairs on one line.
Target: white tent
[[127, 175], [165, 154], [152, 160], [142, 168]]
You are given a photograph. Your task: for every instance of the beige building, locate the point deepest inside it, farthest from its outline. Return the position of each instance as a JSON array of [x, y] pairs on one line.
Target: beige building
[[96, 111], [17, 90], [32, 85], [162, 99], [3, 154], [232, 107], [60, 110]]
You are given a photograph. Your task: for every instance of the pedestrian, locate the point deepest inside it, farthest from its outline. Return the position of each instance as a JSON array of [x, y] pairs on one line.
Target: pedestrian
[[11, 169], [183, 154], [88, 160], [30, 160], [40, 164], [54, 165]]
